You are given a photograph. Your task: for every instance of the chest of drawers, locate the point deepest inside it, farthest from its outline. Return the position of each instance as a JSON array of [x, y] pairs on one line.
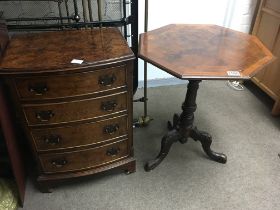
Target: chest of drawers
[[77, 117]]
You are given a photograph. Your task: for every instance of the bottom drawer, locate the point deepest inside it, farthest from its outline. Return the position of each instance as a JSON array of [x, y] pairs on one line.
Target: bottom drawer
[[83, 159]]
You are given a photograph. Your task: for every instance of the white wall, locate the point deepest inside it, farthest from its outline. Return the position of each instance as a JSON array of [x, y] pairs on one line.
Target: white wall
[[235, 14]]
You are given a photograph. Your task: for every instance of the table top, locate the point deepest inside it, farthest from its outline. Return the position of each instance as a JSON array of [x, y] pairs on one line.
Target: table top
[[192, 51], [51, 51]]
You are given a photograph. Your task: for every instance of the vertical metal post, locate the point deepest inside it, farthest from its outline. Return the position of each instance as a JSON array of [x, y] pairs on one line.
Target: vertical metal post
[[76, 16], [59, 10], [67, 10], [124, 16], [90, 11], [99, 7], [85, 11], [144, 120], [145, 63], [134, 40]]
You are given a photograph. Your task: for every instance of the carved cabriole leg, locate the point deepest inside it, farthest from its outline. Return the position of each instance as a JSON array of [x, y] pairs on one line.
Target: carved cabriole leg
[[166, 143], [186, 123], [182, 128], [206, 141]]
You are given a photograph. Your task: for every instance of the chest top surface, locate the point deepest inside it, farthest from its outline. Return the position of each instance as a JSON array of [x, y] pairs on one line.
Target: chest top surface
[[204, 52], [51, 51]]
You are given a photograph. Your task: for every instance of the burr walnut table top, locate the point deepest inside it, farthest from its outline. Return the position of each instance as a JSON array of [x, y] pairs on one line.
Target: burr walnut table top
[[204, 52]]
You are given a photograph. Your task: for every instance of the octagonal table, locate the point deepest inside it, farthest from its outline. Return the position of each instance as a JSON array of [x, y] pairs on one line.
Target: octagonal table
[[195, 53]]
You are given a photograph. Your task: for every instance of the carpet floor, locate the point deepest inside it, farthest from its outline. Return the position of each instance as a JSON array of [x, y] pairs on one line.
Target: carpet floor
[[241, 127]]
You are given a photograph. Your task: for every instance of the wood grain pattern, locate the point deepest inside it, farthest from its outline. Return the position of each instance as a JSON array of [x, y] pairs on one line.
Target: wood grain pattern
[[78, 118], [66, 112], [79, 135], [203, 51], [53, 179], [79, 84], [44, 52], [83, 159], [267, 29]]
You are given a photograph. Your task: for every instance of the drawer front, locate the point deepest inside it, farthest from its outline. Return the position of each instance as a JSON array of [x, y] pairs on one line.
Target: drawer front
[[78, 84], [44, 114], [79, 135], [83, 159]]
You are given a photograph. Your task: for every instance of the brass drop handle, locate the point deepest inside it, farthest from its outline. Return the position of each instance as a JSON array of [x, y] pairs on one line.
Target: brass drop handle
[[52, 140], [38, 89], [107, 80], [59, 163], [109, 106], [113, 151], [111, 129], [44, 116]]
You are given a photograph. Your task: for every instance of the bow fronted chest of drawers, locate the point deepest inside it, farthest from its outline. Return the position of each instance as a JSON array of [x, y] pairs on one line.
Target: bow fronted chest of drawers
[[77, 117]]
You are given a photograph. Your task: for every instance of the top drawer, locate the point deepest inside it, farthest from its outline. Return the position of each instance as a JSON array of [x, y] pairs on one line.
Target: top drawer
[[61, 86]]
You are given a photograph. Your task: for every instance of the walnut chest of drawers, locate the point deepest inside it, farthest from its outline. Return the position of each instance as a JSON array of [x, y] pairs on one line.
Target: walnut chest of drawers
[[77, 117]]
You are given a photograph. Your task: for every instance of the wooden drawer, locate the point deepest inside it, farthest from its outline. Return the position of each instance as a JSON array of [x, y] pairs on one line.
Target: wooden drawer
[[78, 84], [83, 159], [53, 113], [79, 135]]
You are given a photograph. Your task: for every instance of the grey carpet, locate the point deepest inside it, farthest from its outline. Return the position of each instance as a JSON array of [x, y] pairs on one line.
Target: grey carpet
[[242, 128]]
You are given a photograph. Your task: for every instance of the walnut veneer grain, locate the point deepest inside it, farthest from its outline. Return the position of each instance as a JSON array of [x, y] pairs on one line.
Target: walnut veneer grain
[[71, 111], [77, 117], [79, 135], [195, 53], [83, 159], [203, 51], [77, 84], [52, 51]]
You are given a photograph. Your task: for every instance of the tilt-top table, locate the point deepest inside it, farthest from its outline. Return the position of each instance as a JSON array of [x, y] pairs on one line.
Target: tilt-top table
[[196, 53]]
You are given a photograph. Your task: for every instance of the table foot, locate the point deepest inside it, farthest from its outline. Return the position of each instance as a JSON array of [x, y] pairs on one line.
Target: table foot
[[130, 167], [44, 187], [182, 128], [170, 125], [206, 141], [166, 143]]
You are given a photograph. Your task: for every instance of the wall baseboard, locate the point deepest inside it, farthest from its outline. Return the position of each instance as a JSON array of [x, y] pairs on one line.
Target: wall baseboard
[[162, 82]]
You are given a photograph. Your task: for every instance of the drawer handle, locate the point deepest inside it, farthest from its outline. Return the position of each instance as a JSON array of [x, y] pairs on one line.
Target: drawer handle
[[59, 163], [113, 151], [44, 116], [52, 140], [107, 80], [111, 129], [38, 89], [109, 106]]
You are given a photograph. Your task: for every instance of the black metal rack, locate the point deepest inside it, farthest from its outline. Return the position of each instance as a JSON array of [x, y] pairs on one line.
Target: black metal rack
[[46, 15]]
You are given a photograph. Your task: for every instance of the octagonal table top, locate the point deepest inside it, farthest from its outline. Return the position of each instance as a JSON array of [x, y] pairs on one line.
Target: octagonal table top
[[190, 51]]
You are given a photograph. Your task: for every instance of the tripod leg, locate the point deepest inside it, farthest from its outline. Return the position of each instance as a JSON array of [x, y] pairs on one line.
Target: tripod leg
[[206, 141]]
